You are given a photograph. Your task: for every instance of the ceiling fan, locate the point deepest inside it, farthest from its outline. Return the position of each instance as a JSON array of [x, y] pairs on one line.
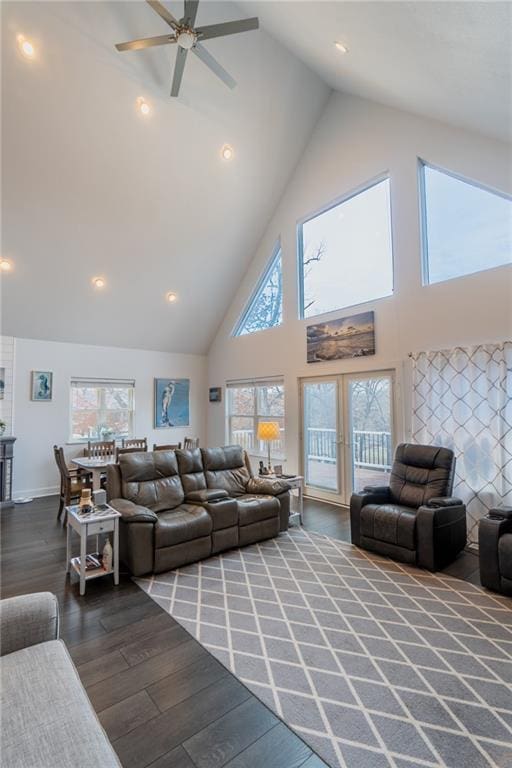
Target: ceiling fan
[[189, 38]]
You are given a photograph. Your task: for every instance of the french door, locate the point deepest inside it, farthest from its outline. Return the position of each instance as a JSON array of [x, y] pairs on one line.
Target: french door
[[347, 433]]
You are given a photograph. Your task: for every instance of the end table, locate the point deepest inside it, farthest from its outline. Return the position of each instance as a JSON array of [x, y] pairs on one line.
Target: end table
[[105, 520]]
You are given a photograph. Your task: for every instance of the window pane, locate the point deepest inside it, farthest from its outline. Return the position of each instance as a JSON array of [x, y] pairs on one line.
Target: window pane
[[468, 229], [271, 400], [101, 411], [242, 432], [266, 307], [241, 400], [347, 253]]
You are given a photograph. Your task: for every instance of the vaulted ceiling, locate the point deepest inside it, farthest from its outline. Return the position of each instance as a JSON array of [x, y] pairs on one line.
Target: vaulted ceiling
[[91, 187], [451, 61]]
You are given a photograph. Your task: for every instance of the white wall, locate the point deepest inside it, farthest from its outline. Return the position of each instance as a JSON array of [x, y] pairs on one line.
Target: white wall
[[38, 425], [356, 140]]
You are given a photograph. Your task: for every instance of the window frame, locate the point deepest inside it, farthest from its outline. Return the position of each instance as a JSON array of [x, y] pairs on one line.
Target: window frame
[[276, 253], [354, 192], [82, 382], [256, 417], [422, 193]]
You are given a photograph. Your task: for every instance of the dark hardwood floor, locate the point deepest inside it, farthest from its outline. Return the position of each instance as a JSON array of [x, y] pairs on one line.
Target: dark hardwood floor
[[163, 699]]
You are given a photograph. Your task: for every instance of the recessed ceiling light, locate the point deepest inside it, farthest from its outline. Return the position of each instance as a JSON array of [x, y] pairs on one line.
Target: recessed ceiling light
[[227, 152], [26, 47], [143, 106], [98, 282], [5, 265], [341, 47], [171, 297]]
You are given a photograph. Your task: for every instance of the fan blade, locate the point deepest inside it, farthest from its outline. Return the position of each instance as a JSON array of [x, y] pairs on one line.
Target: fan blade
[[146, 42], [214, 65], [190, 12], [227, 28], [163, 13], [181, 58]]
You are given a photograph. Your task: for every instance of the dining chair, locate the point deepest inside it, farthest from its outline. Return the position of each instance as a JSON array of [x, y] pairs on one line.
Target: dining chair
[[190, 443], [71, 483], [120, 451], [166, 447], [141, 443], [101, 449]]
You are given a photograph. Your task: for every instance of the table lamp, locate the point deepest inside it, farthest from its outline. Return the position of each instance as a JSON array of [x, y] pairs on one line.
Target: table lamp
[[268, 431]]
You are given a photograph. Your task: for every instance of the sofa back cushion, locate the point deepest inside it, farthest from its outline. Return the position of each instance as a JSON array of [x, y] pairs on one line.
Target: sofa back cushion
[[226, 468], [420, 473], [151, 479], [190, 465]]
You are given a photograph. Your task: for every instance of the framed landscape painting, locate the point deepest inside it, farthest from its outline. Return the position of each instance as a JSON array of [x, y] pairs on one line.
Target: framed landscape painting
[[42, 386], [172, 403], [339, 339]]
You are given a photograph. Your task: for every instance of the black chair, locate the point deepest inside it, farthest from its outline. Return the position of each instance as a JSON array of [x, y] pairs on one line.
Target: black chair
[[495, 550], [414, 519]]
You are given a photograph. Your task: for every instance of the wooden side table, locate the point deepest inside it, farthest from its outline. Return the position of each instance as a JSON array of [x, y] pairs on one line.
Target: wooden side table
[[92, 525]]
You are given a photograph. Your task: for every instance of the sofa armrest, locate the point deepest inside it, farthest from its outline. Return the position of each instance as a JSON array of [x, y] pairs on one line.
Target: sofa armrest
[[267, 486], [133, 513], [28, 620], [441, 532], [443, 501], [207, 495], [490, 529], [370, 495]]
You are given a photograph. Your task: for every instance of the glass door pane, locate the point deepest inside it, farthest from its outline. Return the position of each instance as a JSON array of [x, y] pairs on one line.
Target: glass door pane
[[320, 435], [370, 446]]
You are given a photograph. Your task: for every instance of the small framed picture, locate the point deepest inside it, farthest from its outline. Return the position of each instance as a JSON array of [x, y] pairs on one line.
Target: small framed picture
[[42, 385], [278, 470], [215, 394]]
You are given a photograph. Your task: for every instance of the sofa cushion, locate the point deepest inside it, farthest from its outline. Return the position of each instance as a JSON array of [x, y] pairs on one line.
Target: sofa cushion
[[184, 523], [420, 473], [47, 718], [505, 555], [225, 468], [190, 465], [391, 523], [253, 509], [151, 479]]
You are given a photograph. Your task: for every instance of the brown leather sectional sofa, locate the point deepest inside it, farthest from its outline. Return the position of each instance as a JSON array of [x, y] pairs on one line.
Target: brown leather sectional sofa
[[181, 506]]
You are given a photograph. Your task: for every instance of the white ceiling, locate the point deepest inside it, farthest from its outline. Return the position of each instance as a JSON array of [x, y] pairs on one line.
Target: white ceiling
[[90, 187], [450, 61]]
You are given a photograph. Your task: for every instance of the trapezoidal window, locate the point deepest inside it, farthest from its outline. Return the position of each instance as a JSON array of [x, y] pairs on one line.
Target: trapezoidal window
[[265, 309], [345, 252], [466, 228]]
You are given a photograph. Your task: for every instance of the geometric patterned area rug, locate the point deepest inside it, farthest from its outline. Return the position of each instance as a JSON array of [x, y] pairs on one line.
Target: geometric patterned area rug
[[373, 663]]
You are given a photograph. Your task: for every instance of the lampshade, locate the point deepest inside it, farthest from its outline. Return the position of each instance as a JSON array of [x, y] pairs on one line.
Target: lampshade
[[268, 430]]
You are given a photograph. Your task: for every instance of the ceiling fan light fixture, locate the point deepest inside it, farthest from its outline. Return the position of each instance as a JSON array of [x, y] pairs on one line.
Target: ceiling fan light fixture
[[227, 152], [341, 47], [186, 39]]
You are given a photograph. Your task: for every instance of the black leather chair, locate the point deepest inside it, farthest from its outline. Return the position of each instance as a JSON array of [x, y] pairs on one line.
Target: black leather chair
[[495, 550], [414, 519]]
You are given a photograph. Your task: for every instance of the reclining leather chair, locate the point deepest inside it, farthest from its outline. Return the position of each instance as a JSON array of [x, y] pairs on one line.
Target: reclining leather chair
[[414, 519], [173, 515], [495, 550]]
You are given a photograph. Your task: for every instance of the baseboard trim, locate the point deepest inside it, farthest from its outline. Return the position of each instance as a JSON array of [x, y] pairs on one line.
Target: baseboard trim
[[36, 493]]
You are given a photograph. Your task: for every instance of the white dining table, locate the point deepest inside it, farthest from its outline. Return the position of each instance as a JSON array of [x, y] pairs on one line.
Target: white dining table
[[96, 465]]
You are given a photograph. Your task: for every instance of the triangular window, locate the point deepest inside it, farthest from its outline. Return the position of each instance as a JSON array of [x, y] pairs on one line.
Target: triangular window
[[265, 309], [466, 227]]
